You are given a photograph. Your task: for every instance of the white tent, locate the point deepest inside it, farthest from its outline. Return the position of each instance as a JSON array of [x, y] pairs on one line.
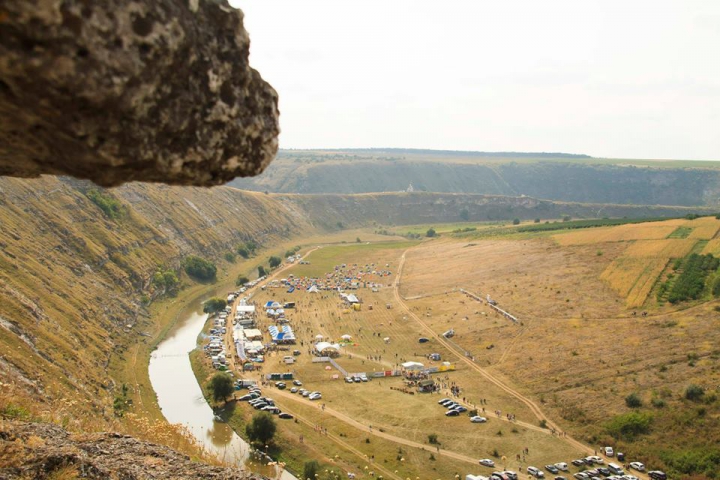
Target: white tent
[[346, 337], [313, 289], [322, 346], [319, 337], [413, 366]]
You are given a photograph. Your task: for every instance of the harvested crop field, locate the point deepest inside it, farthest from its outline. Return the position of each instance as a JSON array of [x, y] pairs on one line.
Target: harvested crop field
[[642, 231], [669, 248], [633, 278]]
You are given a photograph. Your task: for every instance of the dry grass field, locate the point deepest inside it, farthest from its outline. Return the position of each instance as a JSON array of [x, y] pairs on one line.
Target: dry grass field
[[381, 402], [581, 358], [577, 351]]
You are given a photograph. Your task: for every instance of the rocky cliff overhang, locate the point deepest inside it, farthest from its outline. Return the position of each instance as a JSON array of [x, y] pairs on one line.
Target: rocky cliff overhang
[[122, 90]]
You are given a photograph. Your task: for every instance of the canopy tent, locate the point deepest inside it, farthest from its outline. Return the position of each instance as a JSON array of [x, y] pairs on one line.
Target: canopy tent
[[319, 337], [313, 289], [245, 309], [413, 366], [272, 304], [346, 337], [322, 346]]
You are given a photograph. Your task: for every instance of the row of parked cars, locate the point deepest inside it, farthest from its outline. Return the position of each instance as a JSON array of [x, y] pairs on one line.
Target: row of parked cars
[[596, 471], [266, 404], [356, 378]]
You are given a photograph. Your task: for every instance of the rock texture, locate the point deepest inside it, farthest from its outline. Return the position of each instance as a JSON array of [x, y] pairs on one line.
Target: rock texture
[[41, 450], [121, 90]]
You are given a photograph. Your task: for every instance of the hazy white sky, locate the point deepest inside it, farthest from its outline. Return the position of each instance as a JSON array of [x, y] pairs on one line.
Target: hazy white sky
[[616, 78]]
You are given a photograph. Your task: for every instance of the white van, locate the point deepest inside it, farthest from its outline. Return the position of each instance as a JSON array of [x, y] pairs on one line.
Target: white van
[[615, 469], [288, 360]]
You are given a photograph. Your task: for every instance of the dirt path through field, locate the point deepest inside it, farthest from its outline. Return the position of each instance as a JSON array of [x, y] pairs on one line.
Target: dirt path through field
[[488, 376], [374, 430]]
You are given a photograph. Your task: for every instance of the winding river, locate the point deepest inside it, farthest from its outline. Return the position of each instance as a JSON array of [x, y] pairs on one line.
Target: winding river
[[181, 399]]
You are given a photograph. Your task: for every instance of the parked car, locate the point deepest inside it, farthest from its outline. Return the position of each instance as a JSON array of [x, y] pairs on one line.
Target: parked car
[[559, 477], [562, 466], [280, 385], [657, 475], [535, 472], [552, 469], [621, 456], [579, 462], [286, 416], [460, 408], [510, 474], [637, 466], [478, 419], [258, 406], [452, 413], [609, 452], [246, 398], [485, 461], [293, 390], [364, 378], [594, 459], [271, 409], [297, 383], [443, 400], [604, 471], [315, 396], [348, 380], [423, 340], [581, 476]]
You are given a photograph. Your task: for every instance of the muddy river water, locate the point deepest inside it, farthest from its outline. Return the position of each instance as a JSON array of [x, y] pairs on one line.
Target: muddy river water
[[181, 399]]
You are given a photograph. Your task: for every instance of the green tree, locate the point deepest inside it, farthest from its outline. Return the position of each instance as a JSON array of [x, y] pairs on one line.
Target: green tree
[[566, 218], [694, 392], [464, 215], [242, 251], [215, 304], [433, 438], [516, 221], [357, 240], [106, 202], [261, 428], [241, 280], [537, 220], [220, 386], [274, 261], [261, 271], [230, 257], [310, 469], [633, 401], [629, 425], [431, 232], [251, 246], [199, 268]]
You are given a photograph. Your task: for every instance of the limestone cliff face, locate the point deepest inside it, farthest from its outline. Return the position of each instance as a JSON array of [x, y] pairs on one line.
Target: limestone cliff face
[[122, 90]]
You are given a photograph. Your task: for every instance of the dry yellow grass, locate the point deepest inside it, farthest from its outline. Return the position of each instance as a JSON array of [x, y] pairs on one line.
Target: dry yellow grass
[[625, 273], [704, 232], [653, 231], [713, 246], [669, 248], [644, 284]]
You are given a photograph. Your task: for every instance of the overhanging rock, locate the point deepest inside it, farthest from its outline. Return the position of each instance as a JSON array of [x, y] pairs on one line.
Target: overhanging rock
[[122, 90]]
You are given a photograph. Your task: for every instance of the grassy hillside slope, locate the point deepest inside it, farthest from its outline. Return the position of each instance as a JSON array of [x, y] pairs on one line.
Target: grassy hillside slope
[[548, 176], [73, 279]]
